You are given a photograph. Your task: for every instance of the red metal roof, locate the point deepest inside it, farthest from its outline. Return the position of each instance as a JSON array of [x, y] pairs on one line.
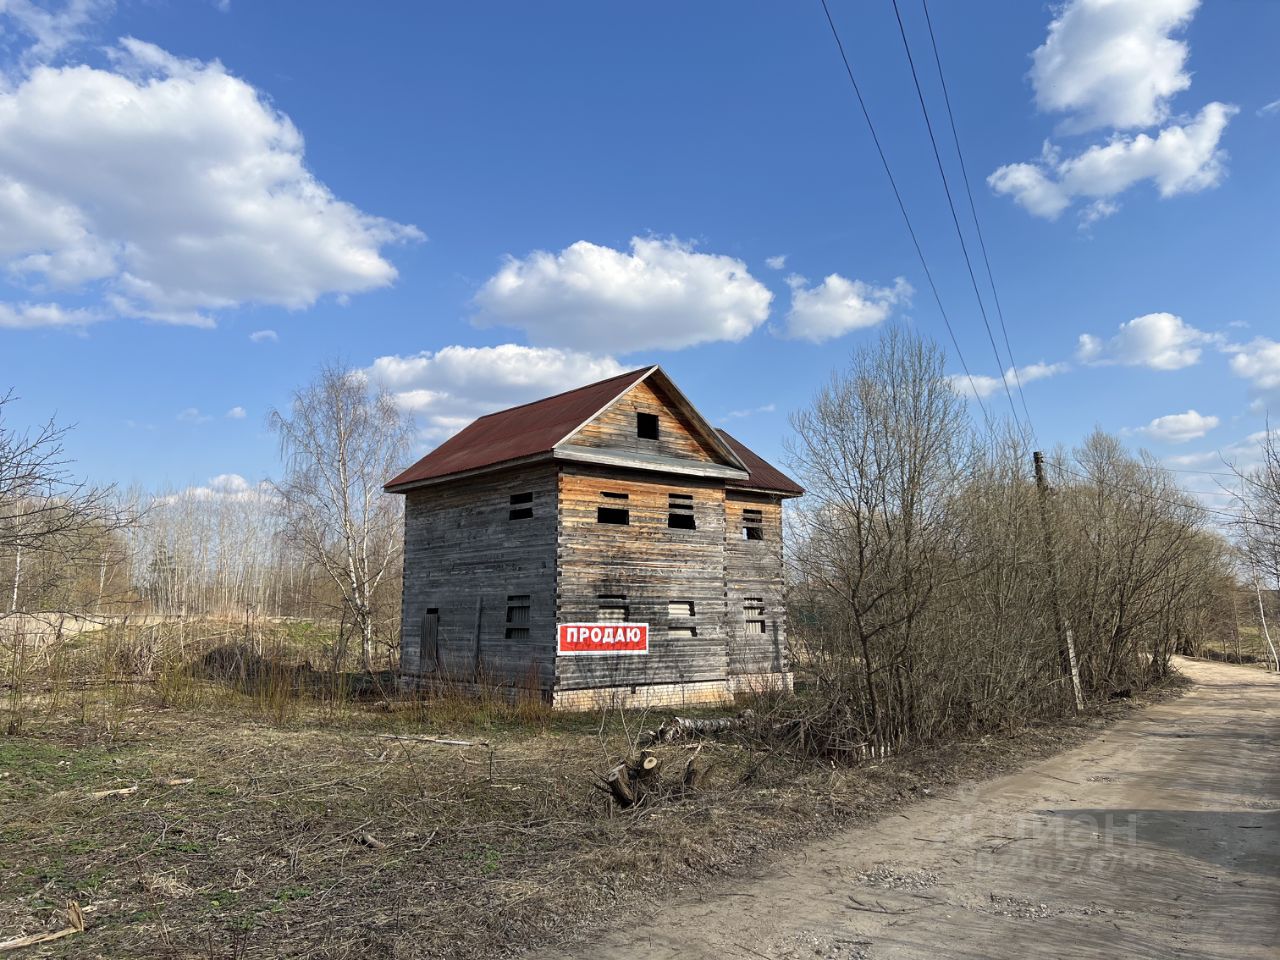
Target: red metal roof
[[535, 428], [518, 432], [761, 475]]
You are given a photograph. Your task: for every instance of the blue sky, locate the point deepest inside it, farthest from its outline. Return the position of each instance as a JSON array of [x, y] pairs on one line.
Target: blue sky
[[485, 203]]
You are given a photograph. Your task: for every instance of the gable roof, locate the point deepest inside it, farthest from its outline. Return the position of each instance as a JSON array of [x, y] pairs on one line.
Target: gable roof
[[761, 474], [534, 431]]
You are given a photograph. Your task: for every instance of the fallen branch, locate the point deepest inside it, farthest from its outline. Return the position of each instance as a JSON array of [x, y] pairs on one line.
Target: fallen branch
[[75, 919]]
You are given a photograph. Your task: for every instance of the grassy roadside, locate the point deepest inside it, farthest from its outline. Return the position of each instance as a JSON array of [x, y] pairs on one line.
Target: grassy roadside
[[306, 833]]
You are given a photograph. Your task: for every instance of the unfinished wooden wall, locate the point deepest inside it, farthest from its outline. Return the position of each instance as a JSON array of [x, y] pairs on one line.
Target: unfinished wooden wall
[[464, 556], [753, 568], [651, 564], [616, 428]]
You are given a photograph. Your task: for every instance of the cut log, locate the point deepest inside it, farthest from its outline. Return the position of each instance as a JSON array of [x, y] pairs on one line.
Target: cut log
[[684, 728], [647, 767], [619, 783], [694, 770]]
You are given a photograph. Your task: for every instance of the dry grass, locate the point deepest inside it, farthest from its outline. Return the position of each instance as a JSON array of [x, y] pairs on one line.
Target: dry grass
[[322, 829]]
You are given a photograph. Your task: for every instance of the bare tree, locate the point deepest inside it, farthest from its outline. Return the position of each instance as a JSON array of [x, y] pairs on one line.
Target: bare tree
[[880, 451], [1258, 529], [340, 442], [921, 600], [50, 521]]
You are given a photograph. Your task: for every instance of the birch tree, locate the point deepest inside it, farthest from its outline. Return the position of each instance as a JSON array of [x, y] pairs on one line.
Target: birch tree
[[340, 442]]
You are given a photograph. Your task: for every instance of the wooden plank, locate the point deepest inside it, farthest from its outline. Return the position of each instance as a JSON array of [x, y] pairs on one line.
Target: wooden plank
[[677, 435]]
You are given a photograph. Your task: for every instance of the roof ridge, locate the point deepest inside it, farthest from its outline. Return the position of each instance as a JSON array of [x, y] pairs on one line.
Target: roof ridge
[[565, 393]]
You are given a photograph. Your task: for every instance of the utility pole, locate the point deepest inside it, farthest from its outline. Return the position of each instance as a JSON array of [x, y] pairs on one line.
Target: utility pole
[[1066, 642]]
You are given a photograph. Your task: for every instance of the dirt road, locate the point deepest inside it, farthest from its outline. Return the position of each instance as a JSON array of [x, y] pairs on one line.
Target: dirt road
[[1159, 839]]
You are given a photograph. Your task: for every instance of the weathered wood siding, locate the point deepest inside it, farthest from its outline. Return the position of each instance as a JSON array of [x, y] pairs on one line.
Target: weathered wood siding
[[753, 568], [615, 428], [651, 565], [464, 557]]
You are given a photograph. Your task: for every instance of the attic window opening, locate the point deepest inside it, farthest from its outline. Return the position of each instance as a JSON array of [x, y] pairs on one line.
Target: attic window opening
[[680, 512], [521, 506], [752, 525], [517, 617], [647, 426], [612, 608]]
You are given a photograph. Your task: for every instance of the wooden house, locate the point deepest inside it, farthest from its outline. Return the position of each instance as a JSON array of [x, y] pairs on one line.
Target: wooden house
[[541, 539]]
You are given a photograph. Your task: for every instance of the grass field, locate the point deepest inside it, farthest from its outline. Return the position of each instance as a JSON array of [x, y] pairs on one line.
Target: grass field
[[189, 819]]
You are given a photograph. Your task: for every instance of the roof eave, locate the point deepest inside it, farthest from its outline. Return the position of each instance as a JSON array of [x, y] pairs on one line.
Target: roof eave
[[463, 474]]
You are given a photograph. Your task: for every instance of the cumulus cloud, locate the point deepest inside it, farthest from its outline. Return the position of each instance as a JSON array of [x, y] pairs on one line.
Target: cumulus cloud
[[1180, 427], [1116, 64], [1181, 158], [1160, 341], [776, 263], [264, 336], [52, 30], [15, 315], [981, 385], [449, 388], [1257, 361], [174, 189], [228, 487], [661, 295], [1113, 63], [838, 305], [236, 413]]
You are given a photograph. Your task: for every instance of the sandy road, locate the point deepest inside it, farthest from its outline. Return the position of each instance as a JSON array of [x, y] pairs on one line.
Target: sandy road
[[1159, 839]]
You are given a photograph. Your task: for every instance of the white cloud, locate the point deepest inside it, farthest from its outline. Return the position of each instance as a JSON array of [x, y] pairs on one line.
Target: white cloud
[[44, 315], [231, 487], [662, 295], [264, 336], [1181, 158], [236, 413], [176, 189], [1267, 109], [754, 411], [776, 263], [193, 415], [1160, 341], [52, 30], [1113, 63], [982, 385], [448, 389], [839, 305], [1257, 361], [1180, 427]]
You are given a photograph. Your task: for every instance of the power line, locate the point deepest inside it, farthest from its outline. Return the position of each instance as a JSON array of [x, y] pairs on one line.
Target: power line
[[973, 209], [1150, 496], [955, 219], [884, 160]]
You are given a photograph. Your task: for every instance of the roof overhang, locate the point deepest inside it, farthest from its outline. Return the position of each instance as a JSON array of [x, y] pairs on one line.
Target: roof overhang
[[464, 474], [604, 456]]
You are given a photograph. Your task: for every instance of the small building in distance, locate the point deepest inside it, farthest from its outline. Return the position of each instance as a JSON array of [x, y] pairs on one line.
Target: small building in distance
[[539, 540]]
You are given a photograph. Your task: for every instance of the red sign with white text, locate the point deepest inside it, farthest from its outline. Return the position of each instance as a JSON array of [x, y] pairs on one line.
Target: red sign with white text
[[602, 638]]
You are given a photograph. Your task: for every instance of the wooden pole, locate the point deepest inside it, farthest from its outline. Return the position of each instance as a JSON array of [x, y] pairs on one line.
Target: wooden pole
[[1066, 642]]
